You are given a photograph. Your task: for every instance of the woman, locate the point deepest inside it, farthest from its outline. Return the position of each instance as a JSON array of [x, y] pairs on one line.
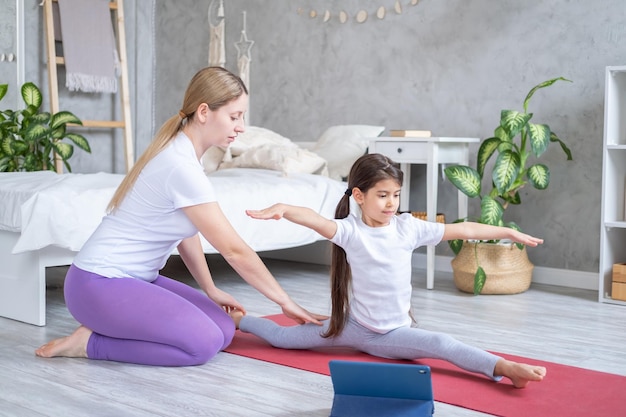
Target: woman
[[130, 313]]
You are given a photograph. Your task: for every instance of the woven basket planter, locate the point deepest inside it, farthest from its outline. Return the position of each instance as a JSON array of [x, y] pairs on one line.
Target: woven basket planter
[[507, 268]]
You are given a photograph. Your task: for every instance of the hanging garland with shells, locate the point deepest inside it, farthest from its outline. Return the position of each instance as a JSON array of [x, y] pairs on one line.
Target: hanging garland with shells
[[360, 16]]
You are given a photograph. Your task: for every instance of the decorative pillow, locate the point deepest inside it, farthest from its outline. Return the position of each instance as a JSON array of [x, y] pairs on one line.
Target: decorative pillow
[[342, 145], [285, 158], [257, 136], [212, 158], [251, 138]]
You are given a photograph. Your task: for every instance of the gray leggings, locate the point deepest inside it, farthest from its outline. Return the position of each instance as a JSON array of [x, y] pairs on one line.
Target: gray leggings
[[401, 343]]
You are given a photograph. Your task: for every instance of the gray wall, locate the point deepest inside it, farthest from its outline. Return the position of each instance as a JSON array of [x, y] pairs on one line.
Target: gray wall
[[445, 65], [182, 40], [450, 66], [8, 47]]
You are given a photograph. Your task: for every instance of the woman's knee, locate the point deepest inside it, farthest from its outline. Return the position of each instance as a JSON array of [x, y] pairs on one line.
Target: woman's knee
[[228, 329], [202, 348]]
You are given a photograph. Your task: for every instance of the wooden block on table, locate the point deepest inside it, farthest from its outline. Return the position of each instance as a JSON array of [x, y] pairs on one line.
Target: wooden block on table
[[411, 133]]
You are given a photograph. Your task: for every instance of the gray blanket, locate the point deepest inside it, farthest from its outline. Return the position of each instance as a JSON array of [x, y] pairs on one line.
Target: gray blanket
[[91, 59]]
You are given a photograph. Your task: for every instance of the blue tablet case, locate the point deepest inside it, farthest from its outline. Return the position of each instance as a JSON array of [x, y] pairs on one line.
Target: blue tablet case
[[366, 389]]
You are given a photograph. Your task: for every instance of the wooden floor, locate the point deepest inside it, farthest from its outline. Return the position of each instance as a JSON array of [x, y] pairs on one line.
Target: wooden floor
[[549, 323]]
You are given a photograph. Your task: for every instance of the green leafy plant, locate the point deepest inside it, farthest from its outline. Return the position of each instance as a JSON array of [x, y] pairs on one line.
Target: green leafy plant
[[516, 144], [29, 138]]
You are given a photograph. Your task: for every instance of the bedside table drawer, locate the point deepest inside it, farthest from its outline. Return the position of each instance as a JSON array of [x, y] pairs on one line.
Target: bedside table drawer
[[402, 151]]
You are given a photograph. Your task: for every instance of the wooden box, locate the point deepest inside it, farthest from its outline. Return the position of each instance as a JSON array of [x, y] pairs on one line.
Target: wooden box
[[619, 272], [618, 289]]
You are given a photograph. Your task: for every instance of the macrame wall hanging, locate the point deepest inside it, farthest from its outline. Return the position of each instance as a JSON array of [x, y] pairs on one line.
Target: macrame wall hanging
[[217, 51], [244, 58], [359, 16]]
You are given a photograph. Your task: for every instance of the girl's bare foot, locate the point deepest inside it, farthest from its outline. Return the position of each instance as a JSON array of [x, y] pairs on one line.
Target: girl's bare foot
[[236, 315], [72, 346], [520, 374]]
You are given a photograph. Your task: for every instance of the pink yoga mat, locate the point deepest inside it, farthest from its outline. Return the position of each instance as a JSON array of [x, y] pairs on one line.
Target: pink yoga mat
[[566, 391]]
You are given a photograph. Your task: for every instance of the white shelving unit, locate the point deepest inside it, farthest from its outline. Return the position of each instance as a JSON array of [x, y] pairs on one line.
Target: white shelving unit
[[613, 221]]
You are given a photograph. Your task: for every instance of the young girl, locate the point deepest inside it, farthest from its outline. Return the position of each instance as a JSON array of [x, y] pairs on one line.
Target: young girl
[[371, 278], [129, 312]]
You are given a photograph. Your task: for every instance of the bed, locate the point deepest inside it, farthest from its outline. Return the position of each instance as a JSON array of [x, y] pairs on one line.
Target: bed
[[46, 217]]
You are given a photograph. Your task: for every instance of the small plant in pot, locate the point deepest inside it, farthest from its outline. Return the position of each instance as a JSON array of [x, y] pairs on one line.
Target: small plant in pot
[[29, 138], [516, 145]]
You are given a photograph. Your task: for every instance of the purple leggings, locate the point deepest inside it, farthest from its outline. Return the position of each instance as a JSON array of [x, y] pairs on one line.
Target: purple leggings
[[163, 322]]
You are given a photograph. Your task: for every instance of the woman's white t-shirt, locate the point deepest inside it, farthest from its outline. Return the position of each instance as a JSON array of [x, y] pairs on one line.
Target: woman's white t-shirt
[[136, 240], [380, 261]]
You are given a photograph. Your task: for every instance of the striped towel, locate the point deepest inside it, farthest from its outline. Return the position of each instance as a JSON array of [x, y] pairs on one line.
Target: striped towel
[[91, 59]]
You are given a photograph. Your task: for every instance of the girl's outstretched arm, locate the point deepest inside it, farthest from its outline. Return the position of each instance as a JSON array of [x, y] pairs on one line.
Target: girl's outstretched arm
[[303, 216], [479, 231]]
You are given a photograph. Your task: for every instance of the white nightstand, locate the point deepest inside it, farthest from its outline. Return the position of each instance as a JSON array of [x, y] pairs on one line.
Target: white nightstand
[[430, 151]]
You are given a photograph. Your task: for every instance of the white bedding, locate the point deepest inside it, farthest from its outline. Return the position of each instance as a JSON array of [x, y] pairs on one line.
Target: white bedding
[[45, 218], [49, 209]]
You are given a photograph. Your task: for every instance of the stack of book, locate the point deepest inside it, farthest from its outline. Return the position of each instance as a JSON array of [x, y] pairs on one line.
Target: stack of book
[[410, 133]]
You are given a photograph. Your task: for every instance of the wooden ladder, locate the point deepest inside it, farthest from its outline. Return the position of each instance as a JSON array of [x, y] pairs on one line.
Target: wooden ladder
[[117, 11]]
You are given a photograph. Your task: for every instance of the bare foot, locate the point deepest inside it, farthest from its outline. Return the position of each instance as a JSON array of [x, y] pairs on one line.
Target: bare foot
[[236, 315], [72, 346], [520, 374]]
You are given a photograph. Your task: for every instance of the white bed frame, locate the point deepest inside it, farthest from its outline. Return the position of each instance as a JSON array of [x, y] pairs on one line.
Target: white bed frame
[[23, 279], [23, 275]]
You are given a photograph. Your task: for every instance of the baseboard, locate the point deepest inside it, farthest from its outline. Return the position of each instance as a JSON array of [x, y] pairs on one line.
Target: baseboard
[[541, 275], [315, 253], [319, 253]]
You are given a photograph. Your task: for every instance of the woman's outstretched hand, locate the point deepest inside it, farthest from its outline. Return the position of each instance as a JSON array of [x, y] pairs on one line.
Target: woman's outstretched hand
[[225, 300], [300, 315]]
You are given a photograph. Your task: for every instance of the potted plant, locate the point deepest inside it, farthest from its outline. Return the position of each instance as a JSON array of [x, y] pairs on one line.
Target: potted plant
[[515, 145], [29, 138]]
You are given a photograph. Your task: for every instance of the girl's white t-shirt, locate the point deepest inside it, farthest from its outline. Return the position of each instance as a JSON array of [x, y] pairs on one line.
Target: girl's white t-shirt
[[136, 240], [380, 261]]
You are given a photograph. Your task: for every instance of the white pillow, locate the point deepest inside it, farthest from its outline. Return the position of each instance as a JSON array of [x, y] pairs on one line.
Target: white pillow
[[212, 158], [342, 145], [286, 158], [252, 137], [255, 136]]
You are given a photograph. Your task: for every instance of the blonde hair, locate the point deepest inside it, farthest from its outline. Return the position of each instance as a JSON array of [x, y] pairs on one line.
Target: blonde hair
[[214, 86]]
